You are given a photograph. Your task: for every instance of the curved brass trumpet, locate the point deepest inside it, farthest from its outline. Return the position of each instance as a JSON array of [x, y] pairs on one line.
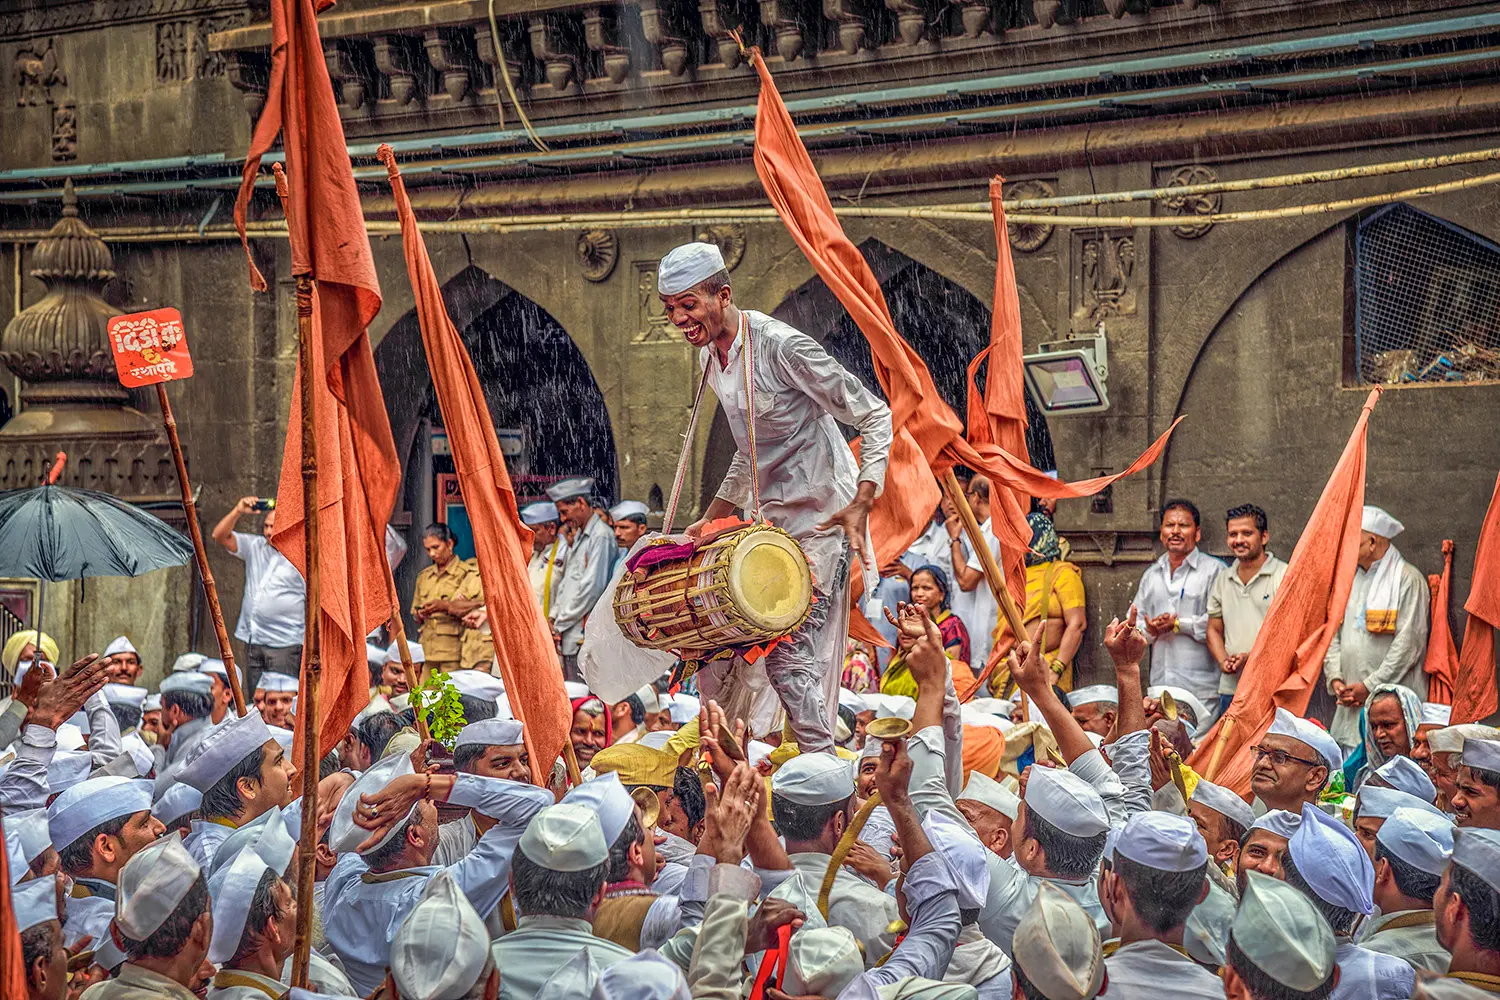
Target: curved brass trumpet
[[887, 730]]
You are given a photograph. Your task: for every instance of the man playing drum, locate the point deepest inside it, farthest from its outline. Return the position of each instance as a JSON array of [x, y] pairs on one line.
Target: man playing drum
[[809, 484]]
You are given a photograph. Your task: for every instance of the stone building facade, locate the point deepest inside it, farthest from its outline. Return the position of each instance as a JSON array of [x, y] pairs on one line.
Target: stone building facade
[[1264, 334]]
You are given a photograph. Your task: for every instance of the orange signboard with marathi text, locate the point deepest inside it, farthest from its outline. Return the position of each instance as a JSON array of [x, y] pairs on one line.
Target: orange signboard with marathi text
[[150, 347]]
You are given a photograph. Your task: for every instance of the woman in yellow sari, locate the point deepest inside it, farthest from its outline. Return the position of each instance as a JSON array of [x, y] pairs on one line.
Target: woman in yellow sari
[[1059, 583]]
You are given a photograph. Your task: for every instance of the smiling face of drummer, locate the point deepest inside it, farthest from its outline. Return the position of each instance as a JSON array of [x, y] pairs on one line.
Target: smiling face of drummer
[[706, 313]]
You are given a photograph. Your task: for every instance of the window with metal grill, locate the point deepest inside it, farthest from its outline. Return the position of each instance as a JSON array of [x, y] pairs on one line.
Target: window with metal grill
[[1426, 300]]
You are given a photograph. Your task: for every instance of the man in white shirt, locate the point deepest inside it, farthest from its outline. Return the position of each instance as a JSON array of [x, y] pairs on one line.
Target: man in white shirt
[[803, 477], [1384, 633], [974, 602], [1240, 596], [1172, 599], [549, 553], [272, 611], [591, 557]]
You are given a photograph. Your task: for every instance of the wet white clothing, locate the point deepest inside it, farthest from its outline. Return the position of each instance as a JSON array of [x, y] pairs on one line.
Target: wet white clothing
[[1415, 939], [546, 570], [540, 945], [363, 910], [585, 576], [275, 601], [978, 608], [1358, 655], [23, 784], [853, 904], [932, 900], [1140, 970], [1369, 975], [1181, 658], [203, 840]]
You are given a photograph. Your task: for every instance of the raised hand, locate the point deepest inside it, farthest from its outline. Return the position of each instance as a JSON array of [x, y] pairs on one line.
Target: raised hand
[[58, 698], [730, 813], [772, 913], [893, 772], [1124, 640]]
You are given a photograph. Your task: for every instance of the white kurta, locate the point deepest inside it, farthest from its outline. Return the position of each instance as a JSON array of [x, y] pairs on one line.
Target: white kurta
[[1358, 655], [1142, 969], [544, 584], [541, 945], [585, 576], [978, 608], [854, 903], [1369, 975], [204, 839], [1181, 658], [23, 784], [1416, 941]]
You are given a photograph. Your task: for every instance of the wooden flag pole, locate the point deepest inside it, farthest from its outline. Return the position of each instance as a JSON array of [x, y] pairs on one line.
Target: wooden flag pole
[[1225, 728], [210, 589], [398, 629], [992, 573], [307, 700]]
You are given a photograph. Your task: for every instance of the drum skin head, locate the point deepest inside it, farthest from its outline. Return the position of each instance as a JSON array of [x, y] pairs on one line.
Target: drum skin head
[[769, 579]]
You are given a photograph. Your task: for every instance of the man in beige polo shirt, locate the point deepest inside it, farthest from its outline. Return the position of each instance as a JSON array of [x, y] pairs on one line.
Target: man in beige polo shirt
[[1238, 601]]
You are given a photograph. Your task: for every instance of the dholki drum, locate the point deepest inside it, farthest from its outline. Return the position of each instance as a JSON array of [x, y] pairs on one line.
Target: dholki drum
[[745, 588]]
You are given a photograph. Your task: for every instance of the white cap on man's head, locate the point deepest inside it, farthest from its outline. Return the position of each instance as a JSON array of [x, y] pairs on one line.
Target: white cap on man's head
[[279, 683], [629, 508], [221, 748], [540, 512], [1451, 739], [187, 661], [120, 644], [442, 947], [151, 885], [1066, 801], [607, 799], [822, 961], [176, 802], [852, 700], [91, 802], [1224, 802], [152, 703], [35, 902], [31, 833], [1378, 802], [187, 680], [216, 667], [964, 855], [1283, 934], [1315, 736], [646, 975], [1378, 522], [1057, 946], [343, 834], [1162, 841], [1282, 823], [686, 266], [814, 779], [1407, 775], [393, 653], [477, 684], [571, 489], [1095, 694], [565, 838], [124, 694], [1334, 863], [1421, 839], [491, 733], [684, 708], [987, 791], [1483, 754], [1434, 714], [1478, 849], [233, 890]]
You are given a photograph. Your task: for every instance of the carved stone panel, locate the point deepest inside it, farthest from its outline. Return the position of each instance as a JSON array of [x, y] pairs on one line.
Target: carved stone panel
[[37, 72], [172, 51], [64, 131], [1103, 282], [652, 325], [598, 250], [1193, 204], [1029, 237]]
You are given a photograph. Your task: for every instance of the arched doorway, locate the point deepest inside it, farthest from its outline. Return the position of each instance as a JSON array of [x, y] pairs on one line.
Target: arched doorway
[[542, 396], [944, 323]]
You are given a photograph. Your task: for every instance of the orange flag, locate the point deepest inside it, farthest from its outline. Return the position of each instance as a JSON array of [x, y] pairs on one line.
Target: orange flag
[[358, 472], [12, 963], [502, 544], [1441, 665], [1474, 695], [929, 438], [1287, 657]]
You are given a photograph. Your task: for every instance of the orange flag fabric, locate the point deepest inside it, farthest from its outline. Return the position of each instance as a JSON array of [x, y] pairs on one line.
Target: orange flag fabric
[[1474, 695], [929, 438], [12, 963], [502, 544], [1287, 657], [1441, 664], [358, 472]]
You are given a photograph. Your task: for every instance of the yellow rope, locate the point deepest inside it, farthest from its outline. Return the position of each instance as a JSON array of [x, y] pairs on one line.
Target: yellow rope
[[502, 70]]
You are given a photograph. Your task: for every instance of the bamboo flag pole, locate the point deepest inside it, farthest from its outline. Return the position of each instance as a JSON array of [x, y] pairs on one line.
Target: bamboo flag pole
[[1225, 728], [992, 573], [398, 629], [210, 589], [312, 665]]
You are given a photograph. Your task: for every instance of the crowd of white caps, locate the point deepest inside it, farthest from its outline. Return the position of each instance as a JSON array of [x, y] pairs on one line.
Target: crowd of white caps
[[1077, 857]]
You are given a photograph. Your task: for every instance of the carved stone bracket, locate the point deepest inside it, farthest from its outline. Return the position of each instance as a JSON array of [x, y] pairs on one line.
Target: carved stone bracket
[[719, 18], [555, 50], [729, 238], [853, 19], [354, 88], [782, 17], [248, 72], [1103, 274], [601, 33], [1029, 237], [977, 17], [1052, 12], [598, 252], [1193, 204], [393, 61], [912, 18], [451, 55], [662, 29]]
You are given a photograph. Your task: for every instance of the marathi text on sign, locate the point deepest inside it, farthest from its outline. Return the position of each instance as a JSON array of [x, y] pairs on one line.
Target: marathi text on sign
[[150, 347]]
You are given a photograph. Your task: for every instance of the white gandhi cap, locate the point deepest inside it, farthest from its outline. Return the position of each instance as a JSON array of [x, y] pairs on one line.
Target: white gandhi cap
[[540, 512], [1224, 802], [222, 747], [1066, 801], [90, 803], [1315, 736], [1378, 522], [687, 265], [987, 791], [1280, 931], [120, 644], [1280, 822], [233, 890], [607, 799], [1419, 838], [1162, 841], [1095, 694], [1434, 714], [1378, 802], [1407, 775], [443, 946], [1333, 861], [1057, 945], [1452, 738], [151, 885], [822, 961], [565, 838], [964, 855], [393, 653], [1478, 850], [490, 733], [646, 975], [35, 902], [279, 683], [1483, 754], [814, 779]]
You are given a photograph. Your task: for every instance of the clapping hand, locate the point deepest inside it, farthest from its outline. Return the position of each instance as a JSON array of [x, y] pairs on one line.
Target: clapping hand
[[730, 813], [1125, 641]]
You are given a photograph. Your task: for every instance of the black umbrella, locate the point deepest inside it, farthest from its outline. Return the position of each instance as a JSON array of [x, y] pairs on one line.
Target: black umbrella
[[59, 533]]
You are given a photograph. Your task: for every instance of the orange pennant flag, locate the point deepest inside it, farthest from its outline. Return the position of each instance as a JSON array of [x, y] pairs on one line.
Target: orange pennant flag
[[12, 963], [1474, 695], [358, 472], [1304, 616], [929, 438], [1441, 664], [502, 544]]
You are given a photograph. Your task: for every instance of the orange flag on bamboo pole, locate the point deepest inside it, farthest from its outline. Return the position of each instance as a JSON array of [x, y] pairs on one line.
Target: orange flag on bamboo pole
[[502, 544], [1287, 657], [1474, 695], [358, 472], [12, 963], [1441, 664], [929, 438]]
